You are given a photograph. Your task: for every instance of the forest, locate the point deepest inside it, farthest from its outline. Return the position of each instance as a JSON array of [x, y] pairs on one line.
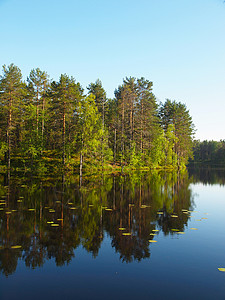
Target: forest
[[208, 153], [48, 125]]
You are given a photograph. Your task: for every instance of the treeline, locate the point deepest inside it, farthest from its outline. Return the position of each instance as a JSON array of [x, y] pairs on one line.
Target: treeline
[[209, 152], [43, 121]]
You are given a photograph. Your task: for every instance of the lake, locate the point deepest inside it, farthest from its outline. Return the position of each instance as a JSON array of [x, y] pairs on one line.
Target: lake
[[146, 236]]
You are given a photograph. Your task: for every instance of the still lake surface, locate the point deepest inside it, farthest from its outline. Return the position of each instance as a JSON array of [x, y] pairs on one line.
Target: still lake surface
[[146, 236]]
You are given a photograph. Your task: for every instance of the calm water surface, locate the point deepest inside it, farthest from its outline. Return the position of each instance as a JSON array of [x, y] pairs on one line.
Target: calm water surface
[[157, 236]]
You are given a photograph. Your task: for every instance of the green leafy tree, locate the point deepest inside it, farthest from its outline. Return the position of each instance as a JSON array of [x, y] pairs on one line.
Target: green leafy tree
[[90, 132], [177, 114]]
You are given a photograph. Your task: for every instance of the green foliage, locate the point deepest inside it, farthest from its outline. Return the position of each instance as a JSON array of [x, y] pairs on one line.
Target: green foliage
[[52, 125], [100, 97], [3, 149], [91, 139], [177, 114], [65, 96], [209, 152], [170, 143], [157, 153], [136, 161], [12, 92]]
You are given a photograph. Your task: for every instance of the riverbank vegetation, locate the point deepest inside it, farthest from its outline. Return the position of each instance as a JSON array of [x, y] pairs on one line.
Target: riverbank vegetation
[[209, 153], [50, 125]]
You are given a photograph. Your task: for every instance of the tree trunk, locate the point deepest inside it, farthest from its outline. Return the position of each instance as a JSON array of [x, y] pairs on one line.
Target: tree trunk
[[64, 132], [131, 128], [42, 124], [142, 126], [103, 114], [122, 140], [37, 111], [9, 132], [114, 146]]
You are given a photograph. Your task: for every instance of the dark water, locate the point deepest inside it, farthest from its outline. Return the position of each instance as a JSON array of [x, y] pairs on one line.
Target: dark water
[[146, 236]]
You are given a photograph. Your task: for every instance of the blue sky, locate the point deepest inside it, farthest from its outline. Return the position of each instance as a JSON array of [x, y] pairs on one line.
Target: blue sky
[[177, 44]]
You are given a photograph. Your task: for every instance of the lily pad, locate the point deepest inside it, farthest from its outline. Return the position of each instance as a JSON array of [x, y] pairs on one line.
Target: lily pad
[[143, 206], [221, 269]]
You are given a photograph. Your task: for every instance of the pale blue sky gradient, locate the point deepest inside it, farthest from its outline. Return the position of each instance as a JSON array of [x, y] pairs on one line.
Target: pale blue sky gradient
[[177, 44]]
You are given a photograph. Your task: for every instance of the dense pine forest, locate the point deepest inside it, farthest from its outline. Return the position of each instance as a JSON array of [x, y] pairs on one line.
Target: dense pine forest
[[51, 125], [209, 153]]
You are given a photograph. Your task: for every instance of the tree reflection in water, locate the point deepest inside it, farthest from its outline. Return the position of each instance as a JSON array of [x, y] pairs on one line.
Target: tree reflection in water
[[50, 218]]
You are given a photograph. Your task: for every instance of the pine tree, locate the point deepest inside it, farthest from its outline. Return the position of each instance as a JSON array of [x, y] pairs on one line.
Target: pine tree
[[12, 92], [148, 127], [38, 84], [126, 96], [100, 97], [65, 95]]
